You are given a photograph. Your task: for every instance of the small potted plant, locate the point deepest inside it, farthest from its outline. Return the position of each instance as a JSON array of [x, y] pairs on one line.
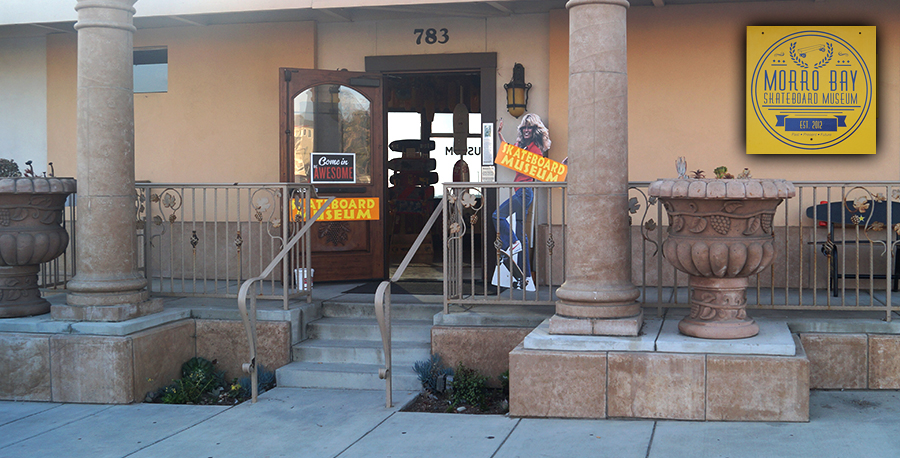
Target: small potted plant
[[31, 233]]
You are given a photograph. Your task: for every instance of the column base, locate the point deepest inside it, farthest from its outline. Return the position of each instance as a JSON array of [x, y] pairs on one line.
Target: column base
[[103, 299], [108, 313], [627, 326]]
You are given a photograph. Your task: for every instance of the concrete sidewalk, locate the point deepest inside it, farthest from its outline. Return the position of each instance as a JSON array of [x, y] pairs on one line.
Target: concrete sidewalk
[[341, 423]]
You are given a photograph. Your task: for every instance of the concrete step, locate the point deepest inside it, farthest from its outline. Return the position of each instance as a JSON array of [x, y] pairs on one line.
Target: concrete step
[[344, 376], [367, 329], [359, 351], [399, 311]]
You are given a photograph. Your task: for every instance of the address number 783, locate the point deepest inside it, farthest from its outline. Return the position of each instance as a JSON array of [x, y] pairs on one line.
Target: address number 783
[[432, 36]]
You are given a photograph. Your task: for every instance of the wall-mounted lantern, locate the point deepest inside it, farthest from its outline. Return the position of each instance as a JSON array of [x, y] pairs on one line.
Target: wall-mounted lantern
[[517, 92]]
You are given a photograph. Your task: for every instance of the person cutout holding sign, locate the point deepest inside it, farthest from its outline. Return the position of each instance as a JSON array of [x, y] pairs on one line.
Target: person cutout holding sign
[[533, 137]]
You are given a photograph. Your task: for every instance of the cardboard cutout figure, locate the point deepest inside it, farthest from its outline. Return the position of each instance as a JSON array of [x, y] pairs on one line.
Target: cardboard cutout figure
[[514, 268]]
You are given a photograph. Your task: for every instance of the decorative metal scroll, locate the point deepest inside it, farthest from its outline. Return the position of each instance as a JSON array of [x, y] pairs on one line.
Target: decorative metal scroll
[[856, 202], [647, 225]]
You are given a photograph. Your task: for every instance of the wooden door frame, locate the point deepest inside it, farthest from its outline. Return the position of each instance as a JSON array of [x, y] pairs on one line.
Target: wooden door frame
[[483, 62], [315, 77], [285, 162]]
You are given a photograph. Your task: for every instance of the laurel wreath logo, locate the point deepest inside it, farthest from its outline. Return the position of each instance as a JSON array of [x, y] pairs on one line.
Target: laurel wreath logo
[[825, 60], [796, 59], [829, 53]]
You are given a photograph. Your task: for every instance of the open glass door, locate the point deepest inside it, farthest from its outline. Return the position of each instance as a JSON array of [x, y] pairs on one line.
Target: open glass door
[[332, 124]]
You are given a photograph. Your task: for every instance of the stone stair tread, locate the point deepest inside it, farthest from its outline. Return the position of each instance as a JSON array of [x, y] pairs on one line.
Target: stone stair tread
[[346, 367], [361, 343], [341, 321], [345, 376], [344, 348], [367, 310]]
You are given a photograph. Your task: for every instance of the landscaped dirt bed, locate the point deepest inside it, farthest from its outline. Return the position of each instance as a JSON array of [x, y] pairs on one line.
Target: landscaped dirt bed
[[495, 404]]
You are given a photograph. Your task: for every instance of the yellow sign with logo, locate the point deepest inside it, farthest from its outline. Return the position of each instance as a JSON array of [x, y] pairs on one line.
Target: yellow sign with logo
[[811, 90], [534, 165], [345, 209]]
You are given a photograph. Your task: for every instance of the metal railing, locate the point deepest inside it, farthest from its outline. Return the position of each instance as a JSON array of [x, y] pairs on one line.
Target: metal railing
[[842, 259], [486, 259], [383, 304], [248, 316], [55, 274], [202, 240], [205, 239], [836, 243]]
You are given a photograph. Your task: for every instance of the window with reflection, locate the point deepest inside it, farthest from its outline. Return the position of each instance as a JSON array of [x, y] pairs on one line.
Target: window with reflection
[[331, 118]]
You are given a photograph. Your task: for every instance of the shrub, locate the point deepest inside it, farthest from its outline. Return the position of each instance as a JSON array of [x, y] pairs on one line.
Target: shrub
[[430, 372], [199, 379], [265, 378], [504, 382], [469, 387]]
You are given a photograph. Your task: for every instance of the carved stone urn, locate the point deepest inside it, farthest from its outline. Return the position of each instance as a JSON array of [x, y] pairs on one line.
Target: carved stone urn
[[720, 233], [31, 212]]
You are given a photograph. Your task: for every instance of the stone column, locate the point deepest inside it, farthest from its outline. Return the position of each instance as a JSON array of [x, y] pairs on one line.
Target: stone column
[[598, 297], [107, 285]]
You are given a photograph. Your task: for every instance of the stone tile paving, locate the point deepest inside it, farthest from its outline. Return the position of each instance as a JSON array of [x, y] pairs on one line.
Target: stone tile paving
[[353, 423], [285, 422], [416, 434], [38, 418], [573, 438], [110, 431], [842, 424]]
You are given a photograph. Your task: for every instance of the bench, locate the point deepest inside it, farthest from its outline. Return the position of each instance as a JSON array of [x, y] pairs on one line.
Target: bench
[[844, 213]]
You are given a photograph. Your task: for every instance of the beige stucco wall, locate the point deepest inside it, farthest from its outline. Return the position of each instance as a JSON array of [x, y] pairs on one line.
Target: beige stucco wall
[[687, 88], [520, 38], [62, 90], [218, 122], [687, 73], [558, 66], [23, 108], [686, 64]]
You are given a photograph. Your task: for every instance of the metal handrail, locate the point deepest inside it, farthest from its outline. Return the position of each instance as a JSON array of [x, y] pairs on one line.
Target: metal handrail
[[383, 303], [250, 319]]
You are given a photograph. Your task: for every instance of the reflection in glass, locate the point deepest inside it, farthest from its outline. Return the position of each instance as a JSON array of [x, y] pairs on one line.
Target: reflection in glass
[[331, 118], [407, 125]]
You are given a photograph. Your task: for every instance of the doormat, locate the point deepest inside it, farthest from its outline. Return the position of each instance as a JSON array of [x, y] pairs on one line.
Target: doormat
[[431, 288]]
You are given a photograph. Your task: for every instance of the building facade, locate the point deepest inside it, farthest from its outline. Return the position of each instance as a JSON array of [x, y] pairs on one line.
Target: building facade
[[224, 77]]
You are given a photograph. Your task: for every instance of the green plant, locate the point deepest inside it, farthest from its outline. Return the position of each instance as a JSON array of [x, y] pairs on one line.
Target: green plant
[[203, 366], [721, 172], [504, 382], [265, 378], [469, 387], [431, 373], [199, 380], [9, 168], [190, 389]]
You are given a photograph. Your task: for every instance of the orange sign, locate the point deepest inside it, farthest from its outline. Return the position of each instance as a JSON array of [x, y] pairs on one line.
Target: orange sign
[[534, 165], [346, 209]]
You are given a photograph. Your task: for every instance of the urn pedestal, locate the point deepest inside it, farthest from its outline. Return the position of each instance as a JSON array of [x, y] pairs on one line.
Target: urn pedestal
[[31, 233], [720, 233]]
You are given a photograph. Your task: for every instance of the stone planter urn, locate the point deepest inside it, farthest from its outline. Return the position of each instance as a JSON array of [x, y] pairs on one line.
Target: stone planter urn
[[720, 233], [31, 212]]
